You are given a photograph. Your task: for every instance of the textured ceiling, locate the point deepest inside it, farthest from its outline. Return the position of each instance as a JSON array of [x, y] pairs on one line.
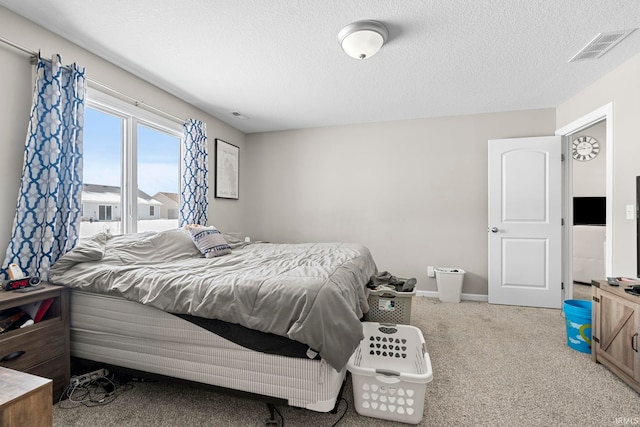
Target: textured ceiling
[[278, 61]]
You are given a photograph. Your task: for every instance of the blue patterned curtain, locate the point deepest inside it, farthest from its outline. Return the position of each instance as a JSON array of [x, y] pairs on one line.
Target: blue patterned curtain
[[193, 209], [48, 211]]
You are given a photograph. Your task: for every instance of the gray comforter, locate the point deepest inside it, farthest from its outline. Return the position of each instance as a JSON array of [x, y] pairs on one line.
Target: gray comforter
[[311, 293]]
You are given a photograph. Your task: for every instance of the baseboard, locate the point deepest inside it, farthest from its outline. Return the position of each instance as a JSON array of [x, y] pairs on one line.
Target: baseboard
[[466, 297]]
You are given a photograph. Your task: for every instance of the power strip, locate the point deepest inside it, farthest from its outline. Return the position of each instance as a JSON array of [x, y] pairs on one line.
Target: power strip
[[82, 380]]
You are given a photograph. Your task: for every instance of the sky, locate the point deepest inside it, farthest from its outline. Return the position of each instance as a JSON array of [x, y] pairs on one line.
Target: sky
[[158, 154]]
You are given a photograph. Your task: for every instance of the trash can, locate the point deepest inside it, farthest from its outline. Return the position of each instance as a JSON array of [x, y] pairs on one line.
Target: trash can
[[577, 313], [449, 282]]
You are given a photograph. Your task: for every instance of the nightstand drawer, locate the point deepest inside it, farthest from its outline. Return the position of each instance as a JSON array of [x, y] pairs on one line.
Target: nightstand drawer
[[33, 347], [56, 370]]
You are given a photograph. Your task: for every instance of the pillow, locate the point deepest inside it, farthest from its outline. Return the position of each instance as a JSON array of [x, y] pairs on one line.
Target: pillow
[[208, 240]]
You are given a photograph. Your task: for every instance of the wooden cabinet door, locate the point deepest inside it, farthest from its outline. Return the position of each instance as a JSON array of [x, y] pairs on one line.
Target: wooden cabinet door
[[618, 333]]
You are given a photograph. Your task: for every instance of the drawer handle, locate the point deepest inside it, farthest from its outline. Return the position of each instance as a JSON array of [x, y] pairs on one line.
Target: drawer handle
[[12, 356], [634, 342]]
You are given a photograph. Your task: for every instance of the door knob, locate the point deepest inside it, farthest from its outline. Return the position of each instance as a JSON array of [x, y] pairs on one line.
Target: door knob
[[494, 229]]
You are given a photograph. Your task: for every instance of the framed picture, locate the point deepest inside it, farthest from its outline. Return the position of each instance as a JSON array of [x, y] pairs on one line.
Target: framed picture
[[227, 170]]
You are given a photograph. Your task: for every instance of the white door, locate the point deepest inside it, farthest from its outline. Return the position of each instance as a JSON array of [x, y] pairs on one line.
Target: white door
[[525, 214]]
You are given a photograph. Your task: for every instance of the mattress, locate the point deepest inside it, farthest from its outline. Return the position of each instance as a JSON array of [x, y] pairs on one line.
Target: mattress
[[124, 333]]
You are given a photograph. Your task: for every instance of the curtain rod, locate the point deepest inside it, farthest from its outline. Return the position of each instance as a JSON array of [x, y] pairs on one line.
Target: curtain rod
[[94, 83]]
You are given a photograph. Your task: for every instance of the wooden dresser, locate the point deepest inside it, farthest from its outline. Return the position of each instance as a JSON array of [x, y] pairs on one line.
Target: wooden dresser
[[25, 400], [615, 328], [40, 349]]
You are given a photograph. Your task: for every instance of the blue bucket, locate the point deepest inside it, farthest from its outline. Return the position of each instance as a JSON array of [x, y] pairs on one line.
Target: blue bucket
[[577, 314]]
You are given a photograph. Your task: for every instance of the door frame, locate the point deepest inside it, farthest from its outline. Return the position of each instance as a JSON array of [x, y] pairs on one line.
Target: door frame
[[603, 113]]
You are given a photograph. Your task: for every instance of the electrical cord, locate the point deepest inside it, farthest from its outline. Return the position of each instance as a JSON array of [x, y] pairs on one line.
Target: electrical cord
[[98, 392], [342, 399], [280, 415]]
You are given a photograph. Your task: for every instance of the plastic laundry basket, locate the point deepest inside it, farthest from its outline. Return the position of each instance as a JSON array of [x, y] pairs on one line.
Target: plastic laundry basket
[[390, 370], [390, 306]]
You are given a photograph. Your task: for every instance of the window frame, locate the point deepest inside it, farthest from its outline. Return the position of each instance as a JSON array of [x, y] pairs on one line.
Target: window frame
[[132, 116]]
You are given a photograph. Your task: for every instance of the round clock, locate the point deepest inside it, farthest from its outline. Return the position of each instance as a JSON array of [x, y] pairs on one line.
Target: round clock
[[585, 148]]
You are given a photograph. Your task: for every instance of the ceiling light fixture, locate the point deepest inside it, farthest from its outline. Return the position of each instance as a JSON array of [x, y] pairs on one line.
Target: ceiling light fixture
[[363, 39]]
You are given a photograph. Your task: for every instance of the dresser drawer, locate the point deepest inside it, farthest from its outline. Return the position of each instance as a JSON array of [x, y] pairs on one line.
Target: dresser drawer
[[33, 346]]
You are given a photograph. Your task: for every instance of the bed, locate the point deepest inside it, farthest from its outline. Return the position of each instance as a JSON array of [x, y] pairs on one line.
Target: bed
[[272, 320]]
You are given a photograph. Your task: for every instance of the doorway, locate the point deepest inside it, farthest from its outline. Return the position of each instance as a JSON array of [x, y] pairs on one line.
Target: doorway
[[605, 115], [589, 203]]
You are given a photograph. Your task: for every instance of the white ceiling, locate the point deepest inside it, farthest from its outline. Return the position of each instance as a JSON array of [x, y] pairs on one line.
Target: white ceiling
[[278, 61]]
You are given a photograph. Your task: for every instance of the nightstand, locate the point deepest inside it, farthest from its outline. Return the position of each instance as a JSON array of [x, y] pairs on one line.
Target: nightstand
[[25, 400], [40, 349]]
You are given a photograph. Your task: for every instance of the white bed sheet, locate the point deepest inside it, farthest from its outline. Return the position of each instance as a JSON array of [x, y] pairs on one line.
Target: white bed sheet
[[123, 333]]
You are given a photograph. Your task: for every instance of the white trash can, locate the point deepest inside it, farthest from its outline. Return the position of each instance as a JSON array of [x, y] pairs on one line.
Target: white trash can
[[449, 282]]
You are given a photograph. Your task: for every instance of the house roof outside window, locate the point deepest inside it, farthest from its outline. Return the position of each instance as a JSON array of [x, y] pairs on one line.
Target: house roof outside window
[[110, 195]]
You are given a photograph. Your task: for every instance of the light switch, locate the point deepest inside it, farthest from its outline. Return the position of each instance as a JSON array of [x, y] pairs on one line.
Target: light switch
[[631, 212]]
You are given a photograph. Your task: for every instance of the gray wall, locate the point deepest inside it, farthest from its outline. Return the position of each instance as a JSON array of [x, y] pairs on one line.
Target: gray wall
[[621, 87], [414, 192], [16, 88]]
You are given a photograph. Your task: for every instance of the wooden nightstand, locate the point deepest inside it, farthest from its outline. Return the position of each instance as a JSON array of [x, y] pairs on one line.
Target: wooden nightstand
[[25, 400], [41, 349]]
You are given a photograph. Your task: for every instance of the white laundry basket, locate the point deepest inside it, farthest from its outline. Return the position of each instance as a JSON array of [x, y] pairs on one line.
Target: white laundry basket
[[390, 370], [449, 282]]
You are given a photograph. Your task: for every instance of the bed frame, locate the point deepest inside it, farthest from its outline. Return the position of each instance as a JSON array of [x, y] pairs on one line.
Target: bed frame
[[136, 339]]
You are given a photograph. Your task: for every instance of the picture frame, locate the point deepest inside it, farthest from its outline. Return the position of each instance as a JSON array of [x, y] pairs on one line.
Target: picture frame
[[227, 162]]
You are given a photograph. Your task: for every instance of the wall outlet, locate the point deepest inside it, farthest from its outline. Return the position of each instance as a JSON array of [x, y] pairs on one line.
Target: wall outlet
[[430, 271]]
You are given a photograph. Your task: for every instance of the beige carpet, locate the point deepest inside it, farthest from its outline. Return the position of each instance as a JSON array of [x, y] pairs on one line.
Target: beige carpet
[[492, 366]]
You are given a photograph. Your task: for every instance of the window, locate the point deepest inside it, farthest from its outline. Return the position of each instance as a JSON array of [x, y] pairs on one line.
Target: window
[[158, 175], [104, 213], [102, 154], [131, 168]]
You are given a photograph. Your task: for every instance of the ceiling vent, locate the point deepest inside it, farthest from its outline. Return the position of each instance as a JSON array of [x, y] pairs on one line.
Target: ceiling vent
[[601, 44], [239, 116]]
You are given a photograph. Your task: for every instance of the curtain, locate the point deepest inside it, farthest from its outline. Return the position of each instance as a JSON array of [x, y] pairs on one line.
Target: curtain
[[48, 211], [193, 209]]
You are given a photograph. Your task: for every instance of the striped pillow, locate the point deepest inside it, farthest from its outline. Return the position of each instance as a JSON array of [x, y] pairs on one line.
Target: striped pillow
[[208, 240]]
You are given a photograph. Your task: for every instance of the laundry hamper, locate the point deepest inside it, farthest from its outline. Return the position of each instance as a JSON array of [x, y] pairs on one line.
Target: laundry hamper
[[386, 306], [390, 370]]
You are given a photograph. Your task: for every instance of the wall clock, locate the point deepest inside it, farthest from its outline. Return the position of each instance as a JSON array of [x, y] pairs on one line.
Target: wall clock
[[585, 148]]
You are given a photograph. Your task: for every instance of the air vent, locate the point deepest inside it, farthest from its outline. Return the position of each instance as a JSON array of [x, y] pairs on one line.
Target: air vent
[[238, 115], [601, 44]]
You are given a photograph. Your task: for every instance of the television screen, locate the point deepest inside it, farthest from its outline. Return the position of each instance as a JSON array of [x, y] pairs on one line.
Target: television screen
[[589, 211]]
